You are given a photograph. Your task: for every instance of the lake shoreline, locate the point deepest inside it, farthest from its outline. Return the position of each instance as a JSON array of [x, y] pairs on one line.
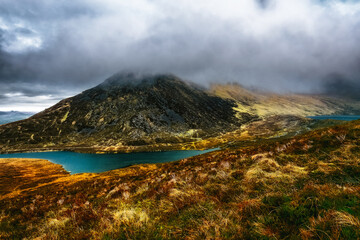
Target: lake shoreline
[[336, 117], [74, 162], [199, 145], [202, 144]]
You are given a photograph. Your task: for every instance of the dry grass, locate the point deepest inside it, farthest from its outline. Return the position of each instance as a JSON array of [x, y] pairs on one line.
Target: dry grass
[[270, 190], [268, 174]]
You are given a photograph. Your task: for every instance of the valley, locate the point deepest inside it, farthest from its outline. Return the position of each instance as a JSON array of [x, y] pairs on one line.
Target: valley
[[302, 187], [275, 173]]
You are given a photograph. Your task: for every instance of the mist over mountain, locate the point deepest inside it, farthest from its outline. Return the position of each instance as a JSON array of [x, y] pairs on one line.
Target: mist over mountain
[[339, 86]]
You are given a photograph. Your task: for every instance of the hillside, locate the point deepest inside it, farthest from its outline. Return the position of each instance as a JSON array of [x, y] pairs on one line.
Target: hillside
[[305, 187], [265, 104], [126, 110], [132, 112]]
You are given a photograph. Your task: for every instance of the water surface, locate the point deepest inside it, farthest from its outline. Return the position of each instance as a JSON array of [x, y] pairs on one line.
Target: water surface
[[95, 163], [336, 117]]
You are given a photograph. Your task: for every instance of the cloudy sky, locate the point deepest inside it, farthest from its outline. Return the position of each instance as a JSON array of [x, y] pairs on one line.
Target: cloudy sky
[[51, 49]]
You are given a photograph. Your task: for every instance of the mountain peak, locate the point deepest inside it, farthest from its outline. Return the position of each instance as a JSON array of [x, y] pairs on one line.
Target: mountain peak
[[128, 109], [132, 79]]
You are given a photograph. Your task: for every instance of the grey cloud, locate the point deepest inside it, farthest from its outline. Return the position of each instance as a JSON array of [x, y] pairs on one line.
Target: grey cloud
[[84, 42], [338, 85], [264, 3], [44, 10]]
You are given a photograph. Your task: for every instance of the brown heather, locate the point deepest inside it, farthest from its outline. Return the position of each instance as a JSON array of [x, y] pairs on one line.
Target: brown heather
[[303, 187]]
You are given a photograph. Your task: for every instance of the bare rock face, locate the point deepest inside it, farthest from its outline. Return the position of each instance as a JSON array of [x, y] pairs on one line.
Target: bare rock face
[[126, 109]]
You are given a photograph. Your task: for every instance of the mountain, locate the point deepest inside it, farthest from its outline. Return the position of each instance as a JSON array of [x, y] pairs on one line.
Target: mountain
[[127, 109], [12, 116], [134, 112]]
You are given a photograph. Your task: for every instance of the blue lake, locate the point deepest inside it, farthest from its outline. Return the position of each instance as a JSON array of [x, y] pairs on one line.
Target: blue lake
[[336, 117], [94, 163]]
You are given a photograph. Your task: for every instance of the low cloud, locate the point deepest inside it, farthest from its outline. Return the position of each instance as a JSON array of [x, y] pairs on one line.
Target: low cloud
[[278, 45]]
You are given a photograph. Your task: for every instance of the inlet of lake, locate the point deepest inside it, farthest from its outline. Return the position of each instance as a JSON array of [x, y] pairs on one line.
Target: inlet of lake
[[336, 117], [94, 163]]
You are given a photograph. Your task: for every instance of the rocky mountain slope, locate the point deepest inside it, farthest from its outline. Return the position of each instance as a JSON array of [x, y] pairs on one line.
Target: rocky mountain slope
[[127, 109], [131, 112]]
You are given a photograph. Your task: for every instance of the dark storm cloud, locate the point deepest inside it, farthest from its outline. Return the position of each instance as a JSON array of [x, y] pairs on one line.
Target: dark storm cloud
[[264, 3], [338, 85], [279, 45]]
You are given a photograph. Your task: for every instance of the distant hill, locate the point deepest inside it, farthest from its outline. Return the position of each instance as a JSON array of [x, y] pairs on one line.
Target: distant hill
[[12, 116], [265, 104]]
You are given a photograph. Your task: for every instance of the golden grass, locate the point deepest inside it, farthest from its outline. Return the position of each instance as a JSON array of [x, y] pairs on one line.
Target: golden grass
[[269, 190], [269, 174]]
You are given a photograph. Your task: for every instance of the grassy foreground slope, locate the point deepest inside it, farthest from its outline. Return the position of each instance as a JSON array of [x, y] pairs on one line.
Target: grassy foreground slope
[[305, 187]]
